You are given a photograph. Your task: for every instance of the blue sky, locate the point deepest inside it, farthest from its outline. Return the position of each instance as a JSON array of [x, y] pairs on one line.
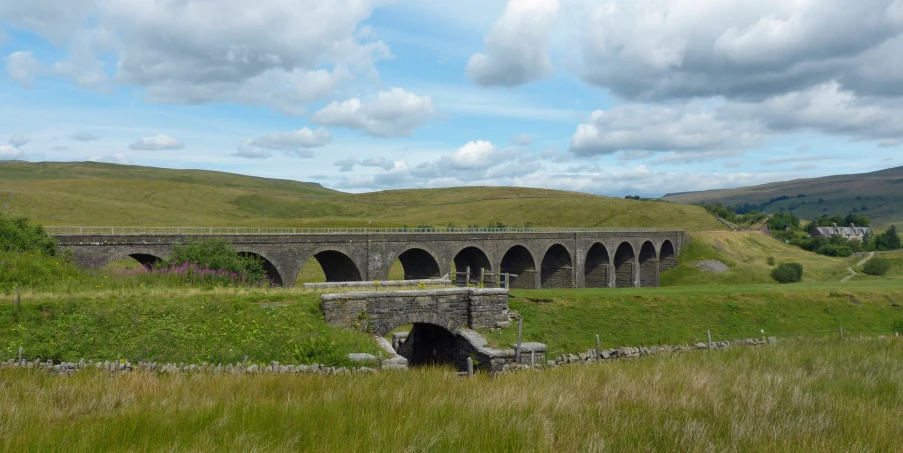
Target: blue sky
[[614, 97]]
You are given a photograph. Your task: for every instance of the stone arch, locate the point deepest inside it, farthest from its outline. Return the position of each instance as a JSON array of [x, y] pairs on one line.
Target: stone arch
[[272, 273], [648, 266], [146, 260], [474, 258], [419, 264], [384, 326], [624, 262], [596, 270], [519, 261], [667, 259], [557, 270], [338, 267]]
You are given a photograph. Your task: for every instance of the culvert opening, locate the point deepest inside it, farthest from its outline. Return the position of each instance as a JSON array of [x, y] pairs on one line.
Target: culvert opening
[[429, 345]]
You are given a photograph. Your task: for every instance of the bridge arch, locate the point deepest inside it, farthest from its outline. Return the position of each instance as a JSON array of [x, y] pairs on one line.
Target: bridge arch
[[146, 260], [596, 271], [419, 264], [667, 259], [519, 261], [474, 258], [389, 324], [648, 266], [557, 269], [337, 266], [624, 266], [273, 273]]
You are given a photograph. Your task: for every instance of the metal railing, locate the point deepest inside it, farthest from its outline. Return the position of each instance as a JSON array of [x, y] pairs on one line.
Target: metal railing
[[229, 231]]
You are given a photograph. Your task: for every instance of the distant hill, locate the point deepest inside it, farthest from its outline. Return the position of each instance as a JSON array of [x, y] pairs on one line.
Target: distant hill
[[118, 195], [877, 195]]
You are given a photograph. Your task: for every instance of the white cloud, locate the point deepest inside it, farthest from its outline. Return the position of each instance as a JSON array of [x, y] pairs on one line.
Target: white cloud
[[157, 143], [84, 137], [269, 52], [633, 127], [346, 165], [249, 151], [380, 162], [293, 140], [18, 141], [517, 48], [22, 67], [394, 113], [522, 139], [10, 152], [115, 158]]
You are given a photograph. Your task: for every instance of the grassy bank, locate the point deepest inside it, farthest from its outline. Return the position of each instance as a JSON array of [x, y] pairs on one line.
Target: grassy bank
[[800, 396], [746, 253], [178, 325], [568, 320]]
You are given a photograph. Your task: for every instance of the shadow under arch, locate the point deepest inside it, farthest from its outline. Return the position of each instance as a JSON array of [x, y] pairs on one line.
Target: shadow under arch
[[473, 258], [419, 264], [519, 261], [624, 262], [667, 259], [557, 268], [648, 266], [596, 269], [338, 267], [146, 260], [431, 341], [272, 273]]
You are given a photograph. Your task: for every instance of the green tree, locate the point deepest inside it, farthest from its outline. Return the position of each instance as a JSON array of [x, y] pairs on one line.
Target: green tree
[[888, 240], [18, 235]]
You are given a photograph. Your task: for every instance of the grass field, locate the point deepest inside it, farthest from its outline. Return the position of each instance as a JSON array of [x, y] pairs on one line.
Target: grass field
[[106, 194], [824, 396], [746, 253], [880, 193]]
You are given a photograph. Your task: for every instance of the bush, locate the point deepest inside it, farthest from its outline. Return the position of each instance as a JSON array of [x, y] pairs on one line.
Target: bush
[[788, 273], [835, 250], [770, 260], [876, 266], [17, 235], [219, 255]]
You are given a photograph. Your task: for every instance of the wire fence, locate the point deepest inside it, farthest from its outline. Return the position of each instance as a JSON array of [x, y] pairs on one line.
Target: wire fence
[[232, 231]]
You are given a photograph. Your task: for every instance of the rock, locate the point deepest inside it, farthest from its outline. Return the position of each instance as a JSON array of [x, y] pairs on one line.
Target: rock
[[361, 357], [252, 369]]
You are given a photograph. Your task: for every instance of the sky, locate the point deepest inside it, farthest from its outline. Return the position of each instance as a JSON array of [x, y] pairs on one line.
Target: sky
[[614, 97]]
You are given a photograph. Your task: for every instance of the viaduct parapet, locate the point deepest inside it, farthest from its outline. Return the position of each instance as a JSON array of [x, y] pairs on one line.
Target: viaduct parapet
[[541, 258]]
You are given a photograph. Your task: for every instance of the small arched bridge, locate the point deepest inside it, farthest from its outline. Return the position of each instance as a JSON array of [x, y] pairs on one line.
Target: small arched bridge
[[541, 258]]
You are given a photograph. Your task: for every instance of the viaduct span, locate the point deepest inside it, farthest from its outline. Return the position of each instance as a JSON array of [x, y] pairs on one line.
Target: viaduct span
[[540, 257]]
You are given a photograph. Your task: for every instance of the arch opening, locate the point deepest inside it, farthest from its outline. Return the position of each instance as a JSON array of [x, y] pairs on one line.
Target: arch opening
[[648, 266], [624, 262], [418, 264], [473, 258], [596, 270], [429, 345], [667, 259], [338, 267], [272, 273], [130, 263], [557, 268], [146, 260], [518, 260]]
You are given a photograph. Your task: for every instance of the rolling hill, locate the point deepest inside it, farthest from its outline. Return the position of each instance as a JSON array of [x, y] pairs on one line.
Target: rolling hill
[[90, 193], [877, 195]]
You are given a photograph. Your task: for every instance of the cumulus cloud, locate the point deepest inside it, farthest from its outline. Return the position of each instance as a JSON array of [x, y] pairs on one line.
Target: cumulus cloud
[[685, 128], [18, 141], [84, 137], [380, 162], [346, 165], [522, 140], [157, 143], [115, 158], [13, 150], [249, 151], [294, 143], [22, 67], [272, 52], [517, 48], [667, 49], [394, 113]]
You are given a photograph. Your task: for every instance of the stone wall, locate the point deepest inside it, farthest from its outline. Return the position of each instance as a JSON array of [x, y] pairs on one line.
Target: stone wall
[[649, 276], [667, 264], [450, 308], [624, 276], [597, 276]]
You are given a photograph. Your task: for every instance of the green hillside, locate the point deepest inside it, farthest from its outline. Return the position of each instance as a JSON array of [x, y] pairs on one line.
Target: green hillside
[[877, 195], [107, 194]]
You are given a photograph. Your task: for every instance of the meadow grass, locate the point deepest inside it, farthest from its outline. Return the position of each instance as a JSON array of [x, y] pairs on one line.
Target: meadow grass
[[88, 194], [746, 253], [813, 396]]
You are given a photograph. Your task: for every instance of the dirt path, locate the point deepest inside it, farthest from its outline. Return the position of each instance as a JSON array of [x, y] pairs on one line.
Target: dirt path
[[861, 263]]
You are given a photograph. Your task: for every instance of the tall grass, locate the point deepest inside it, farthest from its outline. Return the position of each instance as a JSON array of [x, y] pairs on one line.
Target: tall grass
[[796, 396]]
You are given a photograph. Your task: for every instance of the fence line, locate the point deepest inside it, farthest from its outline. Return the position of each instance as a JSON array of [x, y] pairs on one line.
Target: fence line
[[227, 231]]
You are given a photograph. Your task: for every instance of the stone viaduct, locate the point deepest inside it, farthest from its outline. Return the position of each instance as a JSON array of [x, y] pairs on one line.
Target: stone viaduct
[[541, 258]]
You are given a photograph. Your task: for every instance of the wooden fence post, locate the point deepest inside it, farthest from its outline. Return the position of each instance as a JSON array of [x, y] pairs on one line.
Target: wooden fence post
[[520, 330]]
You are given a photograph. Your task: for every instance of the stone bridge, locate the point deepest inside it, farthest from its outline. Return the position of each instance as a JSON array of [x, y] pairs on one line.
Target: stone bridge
[[541, 258]]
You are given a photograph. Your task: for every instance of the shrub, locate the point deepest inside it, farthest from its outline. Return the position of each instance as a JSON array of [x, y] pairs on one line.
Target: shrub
[[835, 250], [876, 266], [788, 273], [18, 235], [770, 260], [218, 255]]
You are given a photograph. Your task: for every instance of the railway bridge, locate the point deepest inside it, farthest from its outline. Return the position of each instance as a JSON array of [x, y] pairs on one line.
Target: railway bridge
[[540, 257]]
